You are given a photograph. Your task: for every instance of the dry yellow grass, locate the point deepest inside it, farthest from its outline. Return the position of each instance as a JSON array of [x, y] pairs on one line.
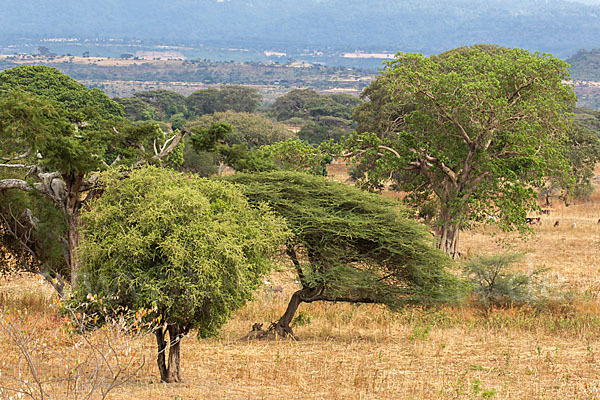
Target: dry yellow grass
[[367, 352]]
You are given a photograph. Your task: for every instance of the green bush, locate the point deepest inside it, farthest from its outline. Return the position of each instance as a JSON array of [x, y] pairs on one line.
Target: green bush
[[495, 283]]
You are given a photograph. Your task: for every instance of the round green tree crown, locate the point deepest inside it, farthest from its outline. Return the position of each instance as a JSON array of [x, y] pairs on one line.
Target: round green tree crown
[[190, 248]]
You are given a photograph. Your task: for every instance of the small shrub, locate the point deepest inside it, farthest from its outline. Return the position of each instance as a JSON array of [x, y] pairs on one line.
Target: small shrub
[[496, 284]]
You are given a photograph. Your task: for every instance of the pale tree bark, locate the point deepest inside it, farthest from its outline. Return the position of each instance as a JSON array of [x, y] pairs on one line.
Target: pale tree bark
[[447, 232]]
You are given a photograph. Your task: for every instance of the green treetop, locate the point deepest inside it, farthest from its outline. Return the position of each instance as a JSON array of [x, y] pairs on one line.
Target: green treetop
[[189, 248], [475, 130]]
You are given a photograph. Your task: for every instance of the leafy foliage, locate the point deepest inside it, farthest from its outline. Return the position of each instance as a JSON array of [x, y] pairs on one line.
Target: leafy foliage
[[495, 283], [288, 155], [53, 134], [190, 248], [76, 101], [165, 102], [584, 151], [476, 127], [316, 133], [351, 245], [234, 98], [39, 248], [206, 139], [251, 129], [136, 109], [74, 129], [322, 117]]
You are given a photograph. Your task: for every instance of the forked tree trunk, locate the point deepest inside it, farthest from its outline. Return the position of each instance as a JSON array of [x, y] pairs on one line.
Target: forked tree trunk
[[447, 233], [169, 373], [448, 239]]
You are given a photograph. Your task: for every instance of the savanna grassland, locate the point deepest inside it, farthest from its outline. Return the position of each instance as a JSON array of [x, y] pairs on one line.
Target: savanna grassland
[[367, 352]]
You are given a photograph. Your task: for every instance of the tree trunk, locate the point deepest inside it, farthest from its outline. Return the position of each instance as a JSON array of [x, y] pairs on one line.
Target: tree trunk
[[282, 327], [447, 233], [72, 243], [169, 373]]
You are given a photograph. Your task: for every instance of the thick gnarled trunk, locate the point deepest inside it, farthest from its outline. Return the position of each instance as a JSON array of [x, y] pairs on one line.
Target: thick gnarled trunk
[[282, 327], [170, 372], [307, 295]]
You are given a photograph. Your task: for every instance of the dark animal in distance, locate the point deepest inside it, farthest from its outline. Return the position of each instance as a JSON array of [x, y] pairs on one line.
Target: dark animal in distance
[[556, 223], [547, 212], [533, 220]]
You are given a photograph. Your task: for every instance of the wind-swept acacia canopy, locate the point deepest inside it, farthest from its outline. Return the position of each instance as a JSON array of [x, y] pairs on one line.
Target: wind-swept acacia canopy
[[349, 245]]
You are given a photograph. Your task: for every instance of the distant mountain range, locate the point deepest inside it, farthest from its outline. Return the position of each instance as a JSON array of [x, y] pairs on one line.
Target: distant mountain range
[[428, 26]]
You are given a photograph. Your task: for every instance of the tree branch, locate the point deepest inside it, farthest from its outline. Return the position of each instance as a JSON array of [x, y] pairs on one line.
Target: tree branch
[[516, 96], [15, 166], [365, 300], [26, 154], [6, 184], [174, 142], [462, 130]]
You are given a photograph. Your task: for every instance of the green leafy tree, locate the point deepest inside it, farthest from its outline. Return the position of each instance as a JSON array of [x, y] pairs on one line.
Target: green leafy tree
[[166, 102], [251, 129], [308, 104], [239, 98], [584, 151], [315, 133], [349, 245], [338, 105], [54, 135], [234, 98], [242, 159], [293, 104], [476, 129], [321, 117], [190, 249], [295, 155], [136, 109], [203, 163], [203, 101], [289, 155], [177, 121]]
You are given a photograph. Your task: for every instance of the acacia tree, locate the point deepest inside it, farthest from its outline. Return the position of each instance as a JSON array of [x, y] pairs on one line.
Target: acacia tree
[[54, 135], [190, 249], [474, 129], [349, 245]]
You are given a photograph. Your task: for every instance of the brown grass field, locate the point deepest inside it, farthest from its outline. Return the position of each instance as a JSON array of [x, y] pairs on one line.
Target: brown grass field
[[367, 352]]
